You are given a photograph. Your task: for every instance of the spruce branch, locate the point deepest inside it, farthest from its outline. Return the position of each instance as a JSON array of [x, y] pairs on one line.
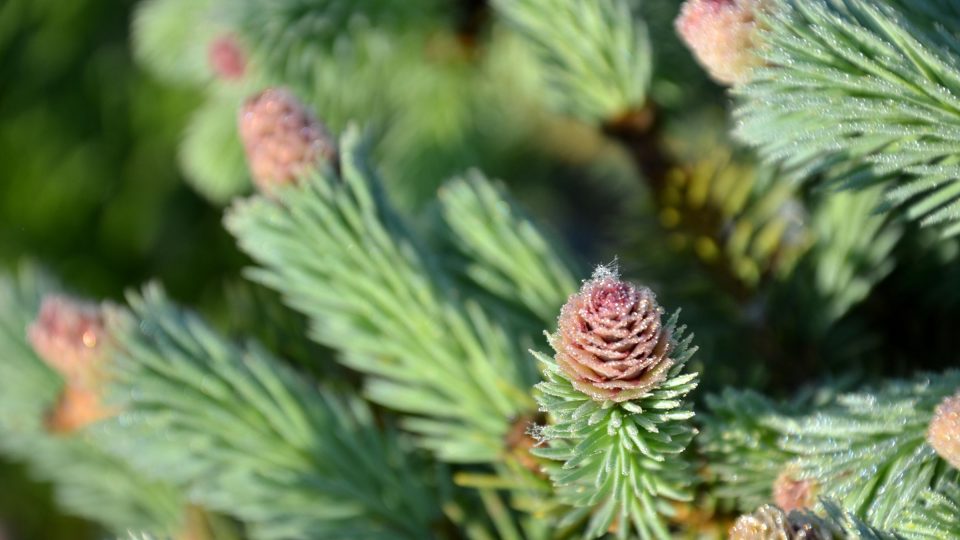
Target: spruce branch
[[88, 481], [621, 459], [339, 253], [868, 451], [852, 527], [431, 103], [856, 82], [211, 154], [264, 445], [595, 56], [507, 254], [742, 455], [744, 461], [252, 311], [935, 515]]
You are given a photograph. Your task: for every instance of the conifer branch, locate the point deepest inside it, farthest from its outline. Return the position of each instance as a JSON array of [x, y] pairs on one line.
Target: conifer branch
[[869, 451], [286, 458], [580, 70], [87, 481], [507, 254], [766, 242], [857, 82], [935, 515], [339, 253], [621, 459], [861, 95], [595, 56], [852, 527], [742, 455]]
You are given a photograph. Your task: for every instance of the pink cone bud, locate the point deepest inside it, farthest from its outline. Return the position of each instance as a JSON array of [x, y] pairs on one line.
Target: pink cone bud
[[944, 431], [69, 336], [610, 342], [282, 139], [721, 34], [227, 58], [791, 493]]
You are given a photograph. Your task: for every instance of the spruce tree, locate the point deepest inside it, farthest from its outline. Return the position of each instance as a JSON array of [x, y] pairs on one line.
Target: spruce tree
[[420, 349]]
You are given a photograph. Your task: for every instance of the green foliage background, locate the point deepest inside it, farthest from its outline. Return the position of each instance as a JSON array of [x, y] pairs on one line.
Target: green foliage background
[[89, 182], [788, 286]]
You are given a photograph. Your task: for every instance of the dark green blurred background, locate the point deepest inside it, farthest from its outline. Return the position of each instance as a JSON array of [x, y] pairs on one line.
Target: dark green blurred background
[[88, 173], [89, 184]]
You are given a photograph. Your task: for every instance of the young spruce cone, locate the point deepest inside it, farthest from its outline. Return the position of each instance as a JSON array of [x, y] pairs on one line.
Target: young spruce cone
[[791, 493], [943, 433], [721, 34], [772, 523], [610, 342], [69, 336], [226, 58], [282, 139]]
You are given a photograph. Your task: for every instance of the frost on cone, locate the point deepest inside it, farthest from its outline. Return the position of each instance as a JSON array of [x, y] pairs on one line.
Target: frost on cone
[[944, 431], [772, 523], [721, 35], [282, 139], [610, 342], [791, 493], [69, 336], [226, 58]]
